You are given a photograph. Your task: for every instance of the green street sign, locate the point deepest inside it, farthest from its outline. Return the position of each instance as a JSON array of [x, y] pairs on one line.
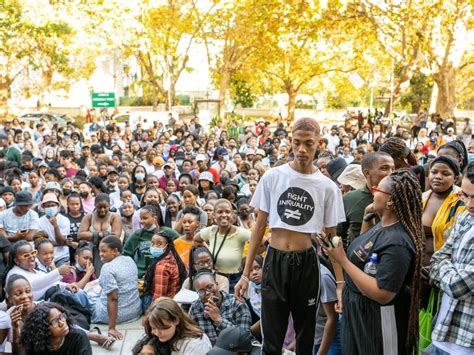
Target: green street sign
[[103, 99]]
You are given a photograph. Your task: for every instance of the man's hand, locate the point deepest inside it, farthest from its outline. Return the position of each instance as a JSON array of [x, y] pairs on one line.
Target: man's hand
[[114, 333], [54, 221], [213, 312], [240, 290]]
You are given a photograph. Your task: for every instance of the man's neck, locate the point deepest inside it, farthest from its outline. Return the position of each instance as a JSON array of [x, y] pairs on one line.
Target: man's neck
[[306, 169]]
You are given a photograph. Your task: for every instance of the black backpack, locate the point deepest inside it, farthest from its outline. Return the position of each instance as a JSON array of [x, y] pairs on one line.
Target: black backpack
[[81, 315]]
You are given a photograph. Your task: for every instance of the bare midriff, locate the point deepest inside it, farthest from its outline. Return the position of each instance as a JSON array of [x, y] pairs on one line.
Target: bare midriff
[[286, 240]]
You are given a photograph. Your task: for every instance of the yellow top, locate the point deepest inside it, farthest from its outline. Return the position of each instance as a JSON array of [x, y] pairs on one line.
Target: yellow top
[[445, 217], [229, 259]]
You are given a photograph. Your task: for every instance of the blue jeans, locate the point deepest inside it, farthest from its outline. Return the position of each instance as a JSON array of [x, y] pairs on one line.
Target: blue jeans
[[335, 348], [81, 297]]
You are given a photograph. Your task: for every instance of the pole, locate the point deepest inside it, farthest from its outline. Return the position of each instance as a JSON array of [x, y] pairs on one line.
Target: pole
[[371, 98]]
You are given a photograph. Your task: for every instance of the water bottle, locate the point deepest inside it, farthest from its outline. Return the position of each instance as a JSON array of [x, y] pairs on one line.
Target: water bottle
[[371, 267]]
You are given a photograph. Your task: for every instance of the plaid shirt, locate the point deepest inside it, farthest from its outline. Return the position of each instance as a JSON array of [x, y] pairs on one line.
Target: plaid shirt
[[233, 313], [452, 270], [166, 282]]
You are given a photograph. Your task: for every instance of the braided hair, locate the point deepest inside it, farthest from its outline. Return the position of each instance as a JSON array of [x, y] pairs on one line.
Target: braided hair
[[397, 148], [149, 278], [406, 191]]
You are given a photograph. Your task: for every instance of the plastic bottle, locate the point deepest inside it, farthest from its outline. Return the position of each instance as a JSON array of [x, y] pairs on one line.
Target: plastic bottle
[[371, 267]]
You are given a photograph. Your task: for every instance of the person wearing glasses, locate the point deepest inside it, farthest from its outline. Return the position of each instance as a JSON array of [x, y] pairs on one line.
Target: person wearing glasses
[[201, 258], [380, 305], [22, 261], [48, 329], [216, 310], [452, 271]]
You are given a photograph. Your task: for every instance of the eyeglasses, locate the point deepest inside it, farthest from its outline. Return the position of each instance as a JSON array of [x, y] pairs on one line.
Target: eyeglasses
[[55, 322], [30, 254], [204, 263], [376, 189], [203, 291], [464, 196]]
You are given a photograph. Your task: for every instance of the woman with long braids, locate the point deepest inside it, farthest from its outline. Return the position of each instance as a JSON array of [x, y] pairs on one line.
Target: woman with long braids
[[165, 276], [380, 306]]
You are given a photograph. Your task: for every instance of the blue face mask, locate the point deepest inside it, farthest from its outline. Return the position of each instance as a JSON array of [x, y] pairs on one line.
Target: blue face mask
[[471, 157], [51, 211], [79, 268], [139, 176], [156, 252]]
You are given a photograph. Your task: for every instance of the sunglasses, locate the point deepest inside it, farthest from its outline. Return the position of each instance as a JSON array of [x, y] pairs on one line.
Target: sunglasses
[[376, 189], [29, 255]]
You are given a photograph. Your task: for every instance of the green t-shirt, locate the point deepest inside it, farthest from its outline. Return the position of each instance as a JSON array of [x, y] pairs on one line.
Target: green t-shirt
[[138, 248], [12, 154]]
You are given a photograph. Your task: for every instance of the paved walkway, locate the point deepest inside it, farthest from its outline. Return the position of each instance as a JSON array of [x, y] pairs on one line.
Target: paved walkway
[[131, 333]]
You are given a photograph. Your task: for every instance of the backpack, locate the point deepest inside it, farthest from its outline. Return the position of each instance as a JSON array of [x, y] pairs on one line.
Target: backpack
[[81, 315]]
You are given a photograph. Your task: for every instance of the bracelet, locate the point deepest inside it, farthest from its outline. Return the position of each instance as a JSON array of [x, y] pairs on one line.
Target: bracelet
[[340, 282], [245, 278]]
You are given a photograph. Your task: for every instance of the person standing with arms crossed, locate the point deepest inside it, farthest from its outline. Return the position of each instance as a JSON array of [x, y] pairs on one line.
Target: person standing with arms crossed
[[297, 200]]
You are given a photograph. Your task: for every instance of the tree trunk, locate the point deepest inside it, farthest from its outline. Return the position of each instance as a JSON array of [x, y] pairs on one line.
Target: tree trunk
[[223, 87], [445, 79], [291, 105], [401, 84]]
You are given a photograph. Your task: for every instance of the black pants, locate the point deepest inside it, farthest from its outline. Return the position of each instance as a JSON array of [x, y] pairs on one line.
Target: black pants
[[290, 284]]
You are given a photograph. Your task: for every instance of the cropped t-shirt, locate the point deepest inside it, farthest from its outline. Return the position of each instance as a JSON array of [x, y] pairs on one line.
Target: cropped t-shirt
[[304, 203]]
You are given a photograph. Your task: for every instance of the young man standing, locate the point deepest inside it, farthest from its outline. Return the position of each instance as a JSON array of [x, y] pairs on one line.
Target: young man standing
[[297, 200]]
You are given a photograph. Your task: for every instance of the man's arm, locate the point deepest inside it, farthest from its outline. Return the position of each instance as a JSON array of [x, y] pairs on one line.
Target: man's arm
[[258, 232]]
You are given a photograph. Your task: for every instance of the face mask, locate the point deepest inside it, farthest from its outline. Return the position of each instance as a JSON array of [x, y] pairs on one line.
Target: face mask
[[67, 192], [151, 228], [79, 268], [84, 194], [226, 158], [68, 133], [139, 176], [51, 211], [156, 252]]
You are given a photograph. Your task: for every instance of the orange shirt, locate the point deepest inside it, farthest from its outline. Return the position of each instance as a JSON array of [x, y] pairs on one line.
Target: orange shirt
[[183, 247]]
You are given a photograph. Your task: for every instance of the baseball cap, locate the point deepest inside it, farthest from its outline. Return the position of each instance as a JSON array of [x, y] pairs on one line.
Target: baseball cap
[[250, 151], [352, 176], [3, 136], [200, 157], [234, 340], [260, 152], [222, 151], [158, 161]]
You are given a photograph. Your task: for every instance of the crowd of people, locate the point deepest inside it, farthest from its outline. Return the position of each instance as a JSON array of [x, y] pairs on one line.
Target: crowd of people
[[224, 240]]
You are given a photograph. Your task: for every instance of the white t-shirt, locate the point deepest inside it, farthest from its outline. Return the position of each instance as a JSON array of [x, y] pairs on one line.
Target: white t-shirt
[[298, 202], [45, 225], [5, 323], [12, 223]]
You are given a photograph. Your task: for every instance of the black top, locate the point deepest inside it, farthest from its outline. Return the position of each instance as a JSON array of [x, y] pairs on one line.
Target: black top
[[396, 256], [75, 343]]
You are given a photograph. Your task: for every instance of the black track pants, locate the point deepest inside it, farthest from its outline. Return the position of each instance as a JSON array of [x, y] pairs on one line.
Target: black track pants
[[290, 284]]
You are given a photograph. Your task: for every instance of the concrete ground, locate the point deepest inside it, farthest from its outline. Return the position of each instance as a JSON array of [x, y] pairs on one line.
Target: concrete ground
[[131, 333]]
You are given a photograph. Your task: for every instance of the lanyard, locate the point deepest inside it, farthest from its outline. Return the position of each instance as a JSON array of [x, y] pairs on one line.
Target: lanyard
[[214, 254]]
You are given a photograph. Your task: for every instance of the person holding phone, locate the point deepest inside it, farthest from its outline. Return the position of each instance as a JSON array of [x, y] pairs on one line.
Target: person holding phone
[[296, 200], [19, 222]]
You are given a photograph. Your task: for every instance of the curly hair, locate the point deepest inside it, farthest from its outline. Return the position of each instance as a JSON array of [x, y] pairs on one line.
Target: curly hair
[[406, 191], [35, 335]]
